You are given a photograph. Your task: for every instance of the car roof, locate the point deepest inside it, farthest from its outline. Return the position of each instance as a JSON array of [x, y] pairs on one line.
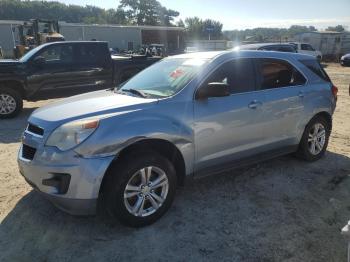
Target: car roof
[[74, 42], [211, 55], [200, 55], [303, 43], [258, 45]]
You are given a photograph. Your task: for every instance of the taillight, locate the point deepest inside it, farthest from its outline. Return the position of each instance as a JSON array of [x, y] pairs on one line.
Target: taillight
[[334, 91]]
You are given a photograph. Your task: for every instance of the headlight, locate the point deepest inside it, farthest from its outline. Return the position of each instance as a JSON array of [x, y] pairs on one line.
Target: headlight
[[72, 134]]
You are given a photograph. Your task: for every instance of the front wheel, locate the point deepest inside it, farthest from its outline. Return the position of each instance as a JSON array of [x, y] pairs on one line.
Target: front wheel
[[11, 103], [140, 189], [315, 139]]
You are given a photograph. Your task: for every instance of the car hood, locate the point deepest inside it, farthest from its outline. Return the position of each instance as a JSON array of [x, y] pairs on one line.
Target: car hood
[[8, 62], [9, 65], [347, 56], [88, 105]]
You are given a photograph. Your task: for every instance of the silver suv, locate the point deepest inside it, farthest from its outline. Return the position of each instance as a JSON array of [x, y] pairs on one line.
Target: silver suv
[[184, 117]]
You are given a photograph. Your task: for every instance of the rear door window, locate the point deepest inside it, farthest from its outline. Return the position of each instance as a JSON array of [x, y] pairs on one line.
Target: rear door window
[[275, 73], [238, 74], [287, 48], [294, 45], [307, 47], [316, 68], [269, 48], [90, 54]]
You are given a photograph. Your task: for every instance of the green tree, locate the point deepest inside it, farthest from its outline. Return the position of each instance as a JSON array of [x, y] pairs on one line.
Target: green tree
[[194, 27], [267, 34], [143, 12], [212, 27], [180, 23], [147, 12], [197, 28]]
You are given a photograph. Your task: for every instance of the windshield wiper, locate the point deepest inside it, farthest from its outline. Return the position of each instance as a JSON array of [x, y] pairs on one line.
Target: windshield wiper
[[135, 92]]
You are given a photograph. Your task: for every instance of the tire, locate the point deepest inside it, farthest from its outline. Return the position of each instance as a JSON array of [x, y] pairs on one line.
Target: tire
[[127, 171], [305, 150], [11, 103]]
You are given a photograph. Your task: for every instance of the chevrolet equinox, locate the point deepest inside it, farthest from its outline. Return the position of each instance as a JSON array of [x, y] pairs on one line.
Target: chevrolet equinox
[[184, 117]]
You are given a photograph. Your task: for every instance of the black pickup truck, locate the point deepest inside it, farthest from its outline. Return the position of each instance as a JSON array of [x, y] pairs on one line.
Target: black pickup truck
[[82, 66]]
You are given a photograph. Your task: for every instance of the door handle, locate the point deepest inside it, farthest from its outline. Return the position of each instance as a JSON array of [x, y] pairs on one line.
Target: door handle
[[254, 104], [301, 94]]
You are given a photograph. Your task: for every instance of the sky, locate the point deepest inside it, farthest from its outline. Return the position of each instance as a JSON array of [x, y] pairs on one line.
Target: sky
[[242, 14]]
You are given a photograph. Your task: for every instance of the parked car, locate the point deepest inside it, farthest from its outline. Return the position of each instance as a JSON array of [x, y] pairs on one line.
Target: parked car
[[307, 49], [184, 117], [345, 60], [60, 66], [280, 47]]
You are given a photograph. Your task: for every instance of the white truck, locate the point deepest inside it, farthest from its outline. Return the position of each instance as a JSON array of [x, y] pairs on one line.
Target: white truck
[[307, 49]]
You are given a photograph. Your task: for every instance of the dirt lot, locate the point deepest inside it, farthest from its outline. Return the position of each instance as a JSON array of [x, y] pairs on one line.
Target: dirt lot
[[282, 210]]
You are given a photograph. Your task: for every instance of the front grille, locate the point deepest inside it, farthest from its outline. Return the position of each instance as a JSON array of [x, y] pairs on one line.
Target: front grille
[[35, 129], [28, 152]]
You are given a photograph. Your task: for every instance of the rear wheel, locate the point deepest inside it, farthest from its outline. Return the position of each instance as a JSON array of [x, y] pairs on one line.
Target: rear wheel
[[11, 103], [140, 189], [315, 139]]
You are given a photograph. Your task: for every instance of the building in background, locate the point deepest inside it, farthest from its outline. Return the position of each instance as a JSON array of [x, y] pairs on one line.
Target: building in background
[[207, 45], [118, 36], [331, 44]]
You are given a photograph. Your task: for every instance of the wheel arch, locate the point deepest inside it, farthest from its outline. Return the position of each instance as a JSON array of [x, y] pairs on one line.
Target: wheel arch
[[160, 146], [326, 115], [14, 84]]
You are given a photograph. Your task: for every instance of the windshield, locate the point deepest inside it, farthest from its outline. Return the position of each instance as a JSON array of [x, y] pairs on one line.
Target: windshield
[[28, 55], [165, 78]]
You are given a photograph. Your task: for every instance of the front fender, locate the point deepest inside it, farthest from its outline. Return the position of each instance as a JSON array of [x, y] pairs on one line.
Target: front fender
[[117, 133]]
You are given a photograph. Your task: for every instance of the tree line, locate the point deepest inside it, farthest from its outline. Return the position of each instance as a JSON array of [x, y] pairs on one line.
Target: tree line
[[143, 12], [274, 34], [129, 12]]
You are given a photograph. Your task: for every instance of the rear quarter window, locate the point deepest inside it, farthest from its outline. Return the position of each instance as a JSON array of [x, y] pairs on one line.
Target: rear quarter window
[[275, 73], [316, 68]]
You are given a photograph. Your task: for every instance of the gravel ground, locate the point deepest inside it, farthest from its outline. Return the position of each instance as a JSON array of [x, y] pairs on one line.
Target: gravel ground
[[281, 210]]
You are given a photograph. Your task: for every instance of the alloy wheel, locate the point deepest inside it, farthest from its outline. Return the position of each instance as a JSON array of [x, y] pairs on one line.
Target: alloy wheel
[[7, 104], [316, 139], [146, 191]]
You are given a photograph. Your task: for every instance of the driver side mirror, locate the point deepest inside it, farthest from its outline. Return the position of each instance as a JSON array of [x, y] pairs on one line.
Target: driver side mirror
[[215, 89], [39, 61]]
